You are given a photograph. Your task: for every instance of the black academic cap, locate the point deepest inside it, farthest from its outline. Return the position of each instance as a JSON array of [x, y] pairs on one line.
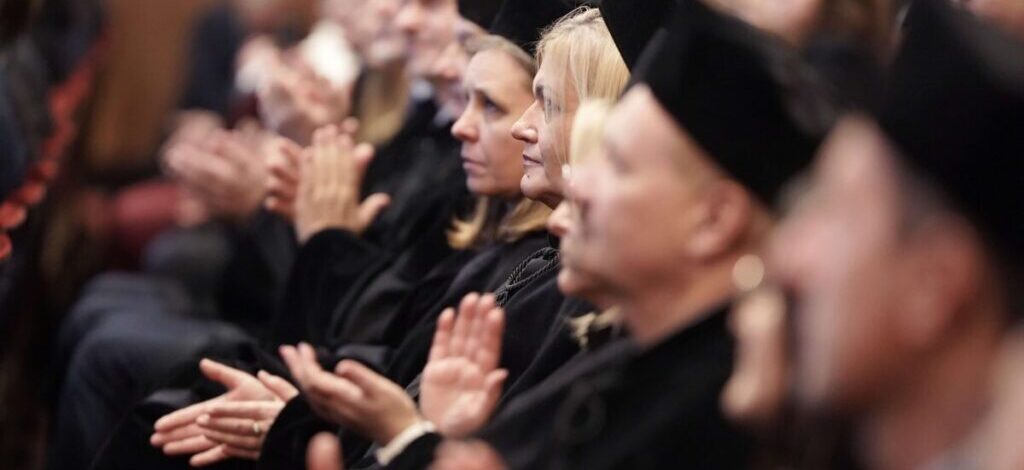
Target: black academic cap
[[633, 23], [481, 12], [954, 106], [523, 21], [747, 99]]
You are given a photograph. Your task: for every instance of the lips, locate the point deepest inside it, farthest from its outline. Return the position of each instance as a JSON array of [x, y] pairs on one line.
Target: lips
[[530, 161]]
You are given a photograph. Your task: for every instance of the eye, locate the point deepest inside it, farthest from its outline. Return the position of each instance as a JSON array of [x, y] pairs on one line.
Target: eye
[[491, 107], [550, 108]]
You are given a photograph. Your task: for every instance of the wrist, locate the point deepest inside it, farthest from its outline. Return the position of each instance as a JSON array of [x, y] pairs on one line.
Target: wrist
[[401, 425]]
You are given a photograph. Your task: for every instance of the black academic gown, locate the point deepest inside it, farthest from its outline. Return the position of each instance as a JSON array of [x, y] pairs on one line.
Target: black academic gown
[[336, 273], [536, 342], [622, 407], [485, 272]]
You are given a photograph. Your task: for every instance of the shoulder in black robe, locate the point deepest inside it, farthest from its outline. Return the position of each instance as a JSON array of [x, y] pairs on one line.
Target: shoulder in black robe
[[622, 407]]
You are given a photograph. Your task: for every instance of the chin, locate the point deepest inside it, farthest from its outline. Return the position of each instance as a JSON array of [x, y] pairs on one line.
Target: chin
[[479, 188]]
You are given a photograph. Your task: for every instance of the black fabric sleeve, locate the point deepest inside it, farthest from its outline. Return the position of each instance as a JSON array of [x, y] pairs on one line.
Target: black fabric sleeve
[[418, 455], [328, 268]]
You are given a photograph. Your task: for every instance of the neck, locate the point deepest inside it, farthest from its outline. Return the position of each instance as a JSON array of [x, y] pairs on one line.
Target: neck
[[937, 405], [667, 306]]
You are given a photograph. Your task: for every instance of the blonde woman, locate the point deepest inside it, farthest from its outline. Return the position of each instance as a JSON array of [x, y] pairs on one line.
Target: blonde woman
[[578, 61]]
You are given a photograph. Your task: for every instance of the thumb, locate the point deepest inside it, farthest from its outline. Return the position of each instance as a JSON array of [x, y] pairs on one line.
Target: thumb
[[372, 207], [362, 155], [217, 372], [494, 383], [324, 453], [280, 387], [363, 377]]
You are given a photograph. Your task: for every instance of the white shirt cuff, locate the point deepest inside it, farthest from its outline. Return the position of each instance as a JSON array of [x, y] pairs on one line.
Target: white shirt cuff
[[397, 445]]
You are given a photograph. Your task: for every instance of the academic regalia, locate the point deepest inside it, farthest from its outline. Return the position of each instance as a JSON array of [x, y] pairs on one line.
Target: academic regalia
[[338, 277], [624, 407], [610, 409], [486, 272], [752, 104], [633, 24], [481, 12], [536, 341], [341, 268], [954, 107]]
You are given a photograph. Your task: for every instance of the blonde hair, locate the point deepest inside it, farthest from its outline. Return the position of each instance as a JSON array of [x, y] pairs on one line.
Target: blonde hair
[[487, 223], [587, 130], [382, 103], [581, 44]]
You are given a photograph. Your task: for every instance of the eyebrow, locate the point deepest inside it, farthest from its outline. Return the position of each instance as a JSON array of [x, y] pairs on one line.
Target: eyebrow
[[539, 89], [482, 90]]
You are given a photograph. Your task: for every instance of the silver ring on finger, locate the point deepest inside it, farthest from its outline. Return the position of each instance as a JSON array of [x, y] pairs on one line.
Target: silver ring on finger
[[257, 430]]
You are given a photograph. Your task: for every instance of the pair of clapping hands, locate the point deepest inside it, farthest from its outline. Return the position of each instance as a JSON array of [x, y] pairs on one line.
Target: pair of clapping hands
[[319, 187], [460, 388], [221, 172]]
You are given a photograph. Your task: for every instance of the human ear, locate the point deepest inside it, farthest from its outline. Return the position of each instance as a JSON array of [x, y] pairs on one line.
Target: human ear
[[722, 219], [943, 272]]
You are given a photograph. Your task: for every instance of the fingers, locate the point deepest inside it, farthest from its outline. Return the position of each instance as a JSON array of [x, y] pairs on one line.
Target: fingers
[[248, 442], [362, 156], [160, 439], [242, 453], [280, 207], [235, 152], [324, 453], [488, 354], [248, 410], [442, 335], [350, 126], [331, 388], [209, 457], [363, 377], [280, 387], [494, 384], [463, 325], [220, 373], [226, 425], [191, 445], [372, 207], [290, 355], [183, 417]]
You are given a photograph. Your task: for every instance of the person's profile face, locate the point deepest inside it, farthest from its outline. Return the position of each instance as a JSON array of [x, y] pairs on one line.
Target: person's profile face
[[498, 91], [837, 255], [634, 201], [545, 128]]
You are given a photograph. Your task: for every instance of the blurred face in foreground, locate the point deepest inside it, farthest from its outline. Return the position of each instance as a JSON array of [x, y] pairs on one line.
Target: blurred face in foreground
[[837, 256], [638, 200], [877, 275]]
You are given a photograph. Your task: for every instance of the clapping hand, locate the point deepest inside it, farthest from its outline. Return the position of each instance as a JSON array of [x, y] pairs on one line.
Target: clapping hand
[[462, 382], [331, 179], [352, 396], [182, 433]]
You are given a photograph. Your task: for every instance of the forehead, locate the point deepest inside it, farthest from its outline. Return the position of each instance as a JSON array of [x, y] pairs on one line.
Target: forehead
[[493, 65], [639, 127], [856, 158]]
